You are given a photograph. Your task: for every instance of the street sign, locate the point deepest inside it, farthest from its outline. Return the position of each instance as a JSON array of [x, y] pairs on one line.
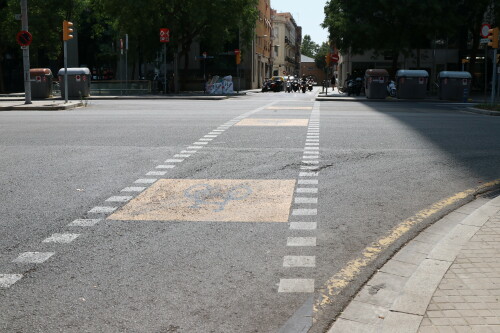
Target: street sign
[[236, 51], [164, 35], [485, 30], [484, 41], [335, 57], [24, 38]]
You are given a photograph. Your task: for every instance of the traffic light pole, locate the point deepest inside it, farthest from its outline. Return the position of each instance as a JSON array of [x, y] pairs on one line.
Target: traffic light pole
[[26, 54], [494, 76], [65, 71]]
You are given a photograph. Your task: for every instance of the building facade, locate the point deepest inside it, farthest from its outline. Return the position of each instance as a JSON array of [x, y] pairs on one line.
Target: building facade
[[287, 38]]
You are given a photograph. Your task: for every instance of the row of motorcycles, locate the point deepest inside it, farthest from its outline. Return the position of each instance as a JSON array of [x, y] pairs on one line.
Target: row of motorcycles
[[289, 85]]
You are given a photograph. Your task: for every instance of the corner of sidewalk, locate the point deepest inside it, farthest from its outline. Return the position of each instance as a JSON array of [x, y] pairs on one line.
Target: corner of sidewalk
[[39, 105], [447, 279]]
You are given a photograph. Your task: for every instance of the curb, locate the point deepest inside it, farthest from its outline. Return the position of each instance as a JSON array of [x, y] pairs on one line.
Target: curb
[[397, 296], [482, 111], [48, 107]]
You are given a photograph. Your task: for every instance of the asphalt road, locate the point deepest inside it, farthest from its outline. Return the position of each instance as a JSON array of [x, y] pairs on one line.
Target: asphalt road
[[210, 246]]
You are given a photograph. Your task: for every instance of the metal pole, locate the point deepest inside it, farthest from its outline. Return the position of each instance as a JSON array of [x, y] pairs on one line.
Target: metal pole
[[126, 62], [65, 72], [494, 77], [485, 72], [26, 54], [165, 73]]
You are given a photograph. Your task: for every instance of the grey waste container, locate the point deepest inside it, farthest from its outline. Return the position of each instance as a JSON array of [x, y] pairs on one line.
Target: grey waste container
[[454, 85], [412, 84], [41, 82], [78, 82], [376, 83]]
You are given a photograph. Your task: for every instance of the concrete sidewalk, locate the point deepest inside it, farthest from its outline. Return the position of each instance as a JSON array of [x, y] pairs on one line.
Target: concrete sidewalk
[[445, 280], [12, 104]]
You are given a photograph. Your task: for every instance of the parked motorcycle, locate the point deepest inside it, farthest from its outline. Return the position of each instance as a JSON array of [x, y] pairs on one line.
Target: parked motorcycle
[[354, 86], [391, 88], [266, 85]]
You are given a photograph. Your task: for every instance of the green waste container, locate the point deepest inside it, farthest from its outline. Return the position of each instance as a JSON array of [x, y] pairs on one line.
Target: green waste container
[[41, 82], [411, 83], [78, 82], [454, 85], [376, 81]]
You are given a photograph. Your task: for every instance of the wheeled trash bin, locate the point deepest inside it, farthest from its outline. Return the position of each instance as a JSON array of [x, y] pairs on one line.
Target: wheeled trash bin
[[376, 83], [412, 84], [454, 85], [41, 82], [78, 82]]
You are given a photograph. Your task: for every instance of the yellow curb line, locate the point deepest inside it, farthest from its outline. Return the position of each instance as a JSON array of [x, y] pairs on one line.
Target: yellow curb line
[[340, 280]]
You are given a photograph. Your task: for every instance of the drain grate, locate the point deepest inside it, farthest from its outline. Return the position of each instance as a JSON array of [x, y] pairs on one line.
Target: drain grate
[[491, 194]]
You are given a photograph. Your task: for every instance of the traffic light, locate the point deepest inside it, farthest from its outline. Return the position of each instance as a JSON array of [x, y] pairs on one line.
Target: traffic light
[[67, 30], [493, 37], [328, 59], [238, 56]]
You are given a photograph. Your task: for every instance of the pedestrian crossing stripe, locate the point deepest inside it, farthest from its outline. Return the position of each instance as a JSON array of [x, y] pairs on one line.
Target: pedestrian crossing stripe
[[277, 122]]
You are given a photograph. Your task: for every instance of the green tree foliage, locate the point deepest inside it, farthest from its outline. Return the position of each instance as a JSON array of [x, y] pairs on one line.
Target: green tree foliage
[[320, 56], [308, 47], [398, 26]]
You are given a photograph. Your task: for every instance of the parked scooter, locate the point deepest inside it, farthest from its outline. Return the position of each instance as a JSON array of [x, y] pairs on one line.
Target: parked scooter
[[391, 88], [266, 85], [354, 86]]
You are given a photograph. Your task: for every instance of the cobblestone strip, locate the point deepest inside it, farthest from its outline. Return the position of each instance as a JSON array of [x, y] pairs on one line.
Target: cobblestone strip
[[445, 280]]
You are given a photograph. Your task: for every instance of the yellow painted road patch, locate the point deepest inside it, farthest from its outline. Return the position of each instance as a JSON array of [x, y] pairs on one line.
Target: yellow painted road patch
[[272, 122], [289, 108], [218, 200]]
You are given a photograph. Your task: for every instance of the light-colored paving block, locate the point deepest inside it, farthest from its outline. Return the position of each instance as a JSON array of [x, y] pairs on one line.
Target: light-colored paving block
[[481, 215], [389, 281], [449, 247], [349, 326], [397, 322], [399, 268], [364, 313], [377, 295]]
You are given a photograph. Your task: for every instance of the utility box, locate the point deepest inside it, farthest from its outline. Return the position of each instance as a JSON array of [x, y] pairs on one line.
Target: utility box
[[376, 81], [41, 82], [78, 82], [412, 84], [454, 85]]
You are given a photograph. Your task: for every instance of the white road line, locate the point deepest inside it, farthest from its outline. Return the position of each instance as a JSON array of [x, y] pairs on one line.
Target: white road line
[[205, 139], [311, 148], [167, 166], [312, 143], [303, 225], [299, 261], [156, 173], [84, 222], [200, 143], [194, 147], [188, 151], [305, 212], [296, 286], [33, 257], [307, 182], [61, 238], [210, 136], [313, 152], [301, 200], [310, 162], [219, 130], [145, 181], [133, 189], [310, 157], [182, 155], [174, 160], [301, 241], [119, 198], [309, 167], [216, 133], [307, 190], [308, 174], [7, 280], [102, 209]]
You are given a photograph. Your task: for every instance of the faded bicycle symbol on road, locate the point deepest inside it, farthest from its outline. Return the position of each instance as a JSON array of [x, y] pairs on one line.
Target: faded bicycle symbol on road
[[205, 194]]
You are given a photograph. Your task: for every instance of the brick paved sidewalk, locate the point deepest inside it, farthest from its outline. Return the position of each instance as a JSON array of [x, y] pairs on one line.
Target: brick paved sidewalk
[[445, 280]]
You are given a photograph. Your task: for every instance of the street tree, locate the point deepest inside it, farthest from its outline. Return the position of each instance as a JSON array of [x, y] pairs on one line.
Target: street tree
[[309, 47]]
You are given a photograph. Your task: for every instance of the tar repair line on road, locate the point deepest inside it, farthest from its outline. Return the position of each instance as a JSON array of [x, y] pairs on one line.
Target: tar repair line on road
[[100, 212]]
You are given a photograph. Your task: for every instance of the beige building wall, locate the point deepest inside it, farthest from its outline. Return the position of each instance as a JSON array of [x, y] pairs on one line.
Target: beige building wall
[[287, 38]]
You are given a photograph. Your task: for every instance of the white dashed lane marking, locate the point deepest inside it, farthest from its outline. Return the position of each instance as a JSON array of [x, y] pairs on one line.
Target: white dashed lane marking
[[145, 181], [133, 189], [182, 155], [296, 286], [61, 238], [302, 200], [119, 198], [299, 261], [165, 166], [307, 189], [303, 225], [308, 174], [102, 209], [6, 280], [307, 182], [156, 173], [33, 257], [174, 160], [84, 222], [304, 212]]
